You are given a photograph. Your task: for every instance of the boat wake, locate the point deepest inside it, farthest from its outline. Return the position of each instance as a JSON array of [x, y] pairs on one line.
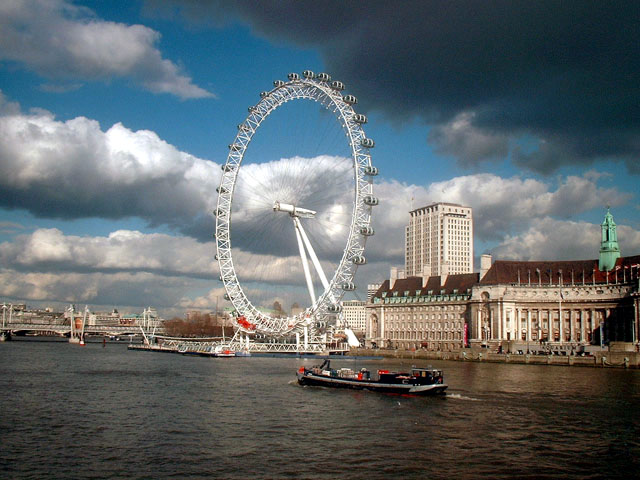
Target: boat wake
[[457, 396]]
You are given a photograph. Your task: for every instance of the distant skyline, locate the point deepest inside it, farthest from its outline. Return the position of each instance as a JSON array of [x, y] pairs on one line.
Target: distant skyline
[[115, 118]]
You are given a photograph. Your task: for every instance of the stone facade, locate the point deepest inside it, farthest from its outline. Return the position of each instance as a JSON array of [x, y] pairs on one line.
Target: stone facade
[[537, 307], [414, 313], [555, 306]]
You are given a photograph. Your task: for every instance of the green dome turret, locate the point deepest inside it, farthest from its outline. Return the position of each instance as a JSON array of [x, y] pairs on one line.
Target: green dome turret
[[609, 249]]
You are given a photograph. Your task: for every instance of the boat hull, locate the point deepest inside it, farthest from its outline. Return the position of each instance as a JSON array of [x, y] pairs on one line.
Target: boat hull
[[312, 379]]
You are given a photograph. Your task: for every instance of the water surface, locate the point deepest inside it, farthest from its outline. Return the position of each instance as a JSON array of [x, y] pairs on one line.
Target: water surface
[[92, 412]]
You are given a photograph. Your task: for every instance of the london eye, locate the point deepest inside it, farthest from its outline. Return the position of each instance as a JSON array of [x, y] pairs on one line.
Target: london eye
[[291, 226]]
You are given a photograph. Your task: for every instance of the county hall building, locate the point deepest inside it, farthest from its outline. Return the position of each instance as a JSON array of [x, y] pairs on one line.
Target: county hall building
[[565, 307]]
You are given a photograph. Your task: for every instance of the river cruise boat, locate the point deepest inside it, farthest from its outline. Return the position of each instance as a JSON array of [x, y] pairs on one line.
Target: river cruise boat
[[419, 381]]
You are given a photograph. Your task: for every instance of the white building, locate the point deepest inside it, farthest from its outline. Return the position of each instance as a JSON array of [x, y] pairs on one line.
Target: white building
[[372, 288], [439, 240], [355, 315]]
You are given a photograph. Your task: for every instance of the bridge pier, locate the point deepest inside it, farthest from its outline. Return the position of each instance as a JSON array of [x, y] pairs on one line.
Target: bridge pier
[[5, 335]]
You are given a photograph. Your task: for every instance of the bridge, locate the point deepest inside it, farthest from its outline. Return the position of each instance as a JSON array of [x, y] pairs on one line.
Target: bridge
[[67, 330], [74, 325]]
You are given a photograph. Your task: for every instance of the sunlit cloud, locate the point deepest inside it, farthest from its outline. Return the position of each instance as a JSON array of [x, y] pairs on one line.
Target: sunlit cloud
[[60, 40]]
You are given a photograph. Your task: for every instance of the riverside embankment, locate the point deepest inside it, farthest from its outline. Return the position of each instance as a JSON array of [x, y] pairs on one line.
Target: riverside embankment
[[604, 359]]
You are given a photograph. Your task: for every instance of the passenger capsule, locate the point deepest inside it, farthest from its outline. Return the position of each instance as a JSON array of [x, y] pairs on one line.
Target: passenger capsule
[[371, 170], [227, 167], [350, 99], [370, 200], [220, 278], [348, 287], [293, 76], [221, 189], [219, 212], [278, 83], [252, 109], [368, 143], [308, 74], [336, 85], [243, 127], [227, 297], [263, 94], [216, 256], [360, 118], [323, 77], [366, 231], [235, 147], [359, 260], [334, 308]]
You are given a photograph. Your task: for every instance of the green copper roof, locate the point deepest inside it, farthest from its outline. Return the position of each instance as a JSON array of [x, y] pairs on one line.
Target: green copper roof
[[609, 248]]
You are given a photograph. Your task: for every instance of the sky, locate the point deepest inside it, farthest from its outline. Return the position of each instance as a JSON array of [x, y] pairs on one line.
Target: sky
[[116, 116]]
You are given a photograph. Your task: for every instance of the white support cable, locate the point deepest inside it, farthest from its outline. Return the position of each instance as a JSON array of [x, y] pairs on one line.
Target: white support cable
[[312, 254], [305, 262]]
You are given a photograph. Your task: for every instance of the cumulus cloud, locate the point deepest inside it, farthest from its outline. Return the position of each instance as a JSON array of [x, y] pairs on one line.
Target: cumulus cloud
[[131, 291], [506, 205], [74, 169], [48, 264], [62, 41], [125, 254], [562, 73], [547, 239], [501, 206], [122, 251]]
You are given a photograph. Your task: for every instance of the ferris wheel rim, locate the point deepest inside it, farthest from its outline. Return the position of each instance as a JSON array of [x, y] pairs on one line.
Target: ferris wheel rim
[[319, 89]]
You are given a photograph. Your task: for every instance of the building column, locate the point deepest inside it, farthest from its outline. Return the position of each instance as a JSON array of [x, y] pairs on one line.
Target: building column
[[636, 318], [528, 325], [571, 326], [582, 325], [561, 323], [513, 323], [549, 325]]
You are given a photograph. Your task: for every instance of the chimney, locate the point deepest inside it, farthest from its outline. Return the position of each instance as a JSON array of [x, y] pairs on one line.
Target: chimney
[[426, 274], [485, 264], [397, 273]]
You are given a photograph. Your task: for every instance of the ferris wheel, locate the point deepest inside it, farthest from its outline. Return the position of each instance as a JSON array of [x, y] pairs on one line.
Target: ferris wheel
[[283, 198]]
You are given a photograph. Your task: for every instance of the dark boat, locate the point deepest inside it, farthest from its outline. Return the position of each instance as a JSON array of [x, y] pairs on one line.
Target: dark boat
[[419, 381]]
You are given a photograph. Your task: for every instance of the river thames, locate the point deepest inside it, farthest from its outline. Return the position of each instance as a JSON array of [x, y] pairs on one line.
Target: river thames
[[91, 412]]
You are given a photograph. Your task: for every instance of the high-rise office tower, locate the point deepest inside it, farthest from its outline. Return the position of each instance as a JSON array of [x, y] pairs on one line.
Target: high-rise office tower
[[439, 240]]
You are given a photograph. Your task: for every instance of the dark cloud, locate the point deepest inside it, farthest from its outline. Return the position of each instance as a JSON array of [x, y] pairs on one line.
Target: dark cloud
[[562, 73]]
